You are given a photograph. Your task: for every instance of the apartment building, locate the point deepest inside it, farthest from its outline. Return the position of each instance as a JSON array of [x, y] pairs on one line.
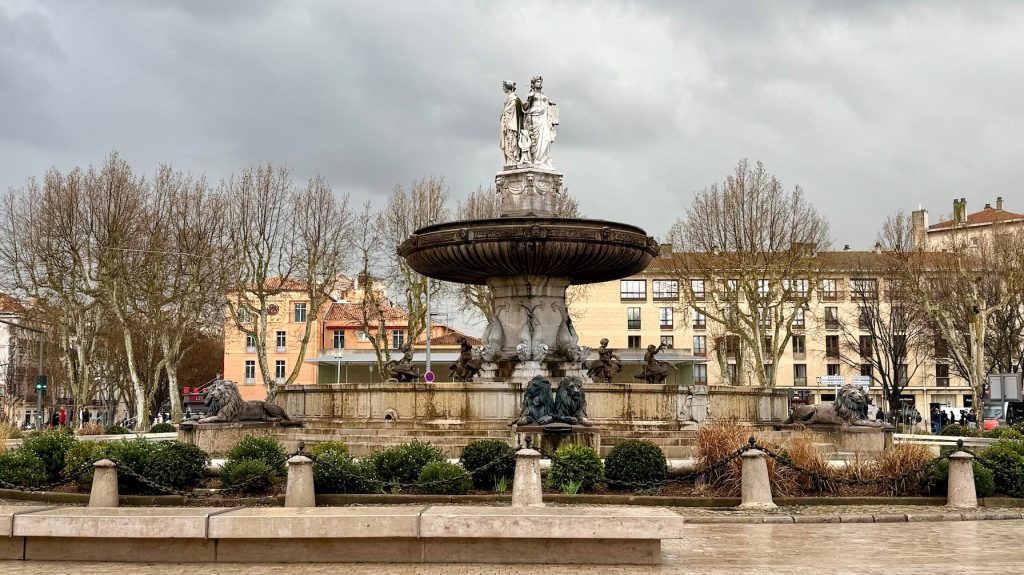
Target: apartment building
[[652, 308], [963, 226]]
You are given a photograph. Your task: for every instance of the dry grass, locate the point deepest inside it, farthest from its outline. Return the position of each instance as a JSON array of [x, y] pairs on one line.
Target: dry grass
[[717, 440], [5, 434], [91, 428]]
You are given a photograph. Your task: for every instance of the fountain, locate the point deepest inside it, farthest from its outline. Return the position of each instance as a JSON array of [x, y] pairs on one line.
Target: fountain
[[528, 257]]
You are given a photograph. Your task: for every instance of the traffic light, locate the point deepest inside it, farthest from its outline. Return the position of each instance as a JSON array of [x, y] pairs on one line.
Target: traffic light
[[41, 382]]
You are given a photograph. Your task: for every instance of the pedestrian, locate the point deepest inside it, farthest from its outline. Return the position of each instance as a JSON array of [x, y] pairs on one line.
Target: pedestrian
[[936, 420], [880, 415], [63, 417], [54, 419], [86, 417]]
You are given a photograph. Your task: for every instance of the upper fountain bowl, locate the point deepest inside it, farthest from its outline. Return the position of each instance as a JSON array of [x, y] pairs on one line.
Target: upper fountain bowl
[[584, 251]]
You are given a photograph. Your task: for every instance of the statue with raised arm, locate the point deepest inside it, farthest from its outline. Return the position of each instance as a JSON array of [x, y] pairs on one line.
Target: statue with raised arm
[[510, 125], [540, 116], [653, 371]]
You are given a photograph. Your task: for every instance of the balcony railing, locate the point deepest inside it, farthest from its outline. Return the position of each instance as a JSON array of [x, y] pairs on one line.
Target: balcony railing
[[800, 381]]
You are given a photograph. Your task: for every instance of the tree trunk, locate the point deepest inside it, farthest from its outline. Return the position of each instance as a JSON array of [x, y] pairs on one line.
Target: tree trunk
[[174, 391]]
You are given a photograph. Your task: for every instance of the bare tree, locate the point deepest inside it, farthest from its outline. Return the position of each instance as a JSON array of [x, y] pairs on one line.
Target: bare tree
[[752, 247], [974, 278], [424, 203], [373, 305]]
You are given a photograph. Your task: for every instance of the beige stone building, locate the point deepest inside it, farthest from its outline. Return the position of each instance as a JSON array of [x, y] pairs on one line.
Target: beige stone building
[[962, 226], [651, 308]]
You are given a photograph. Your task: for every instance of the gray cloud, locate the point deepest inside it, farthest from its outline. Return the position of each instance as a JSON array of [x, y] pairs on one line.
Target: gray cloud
[[869, 106]]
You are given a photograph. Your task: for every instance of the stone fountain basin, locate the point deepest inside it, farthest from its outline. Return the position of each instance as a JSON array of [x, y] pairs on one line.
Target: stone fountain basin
[[584, 251]]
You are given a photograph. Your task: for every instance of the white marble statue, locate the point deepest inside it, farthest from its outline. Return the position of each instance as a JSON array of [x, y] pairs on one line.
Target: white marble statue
[[535, 119], [511, 123]]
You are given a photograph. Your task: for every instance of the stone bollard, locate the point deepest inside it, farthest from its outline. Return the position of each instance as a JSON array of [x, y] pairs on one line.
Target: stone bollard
[[526, 486], [299, 492], [756, 488], [960, 493], [104, 484]]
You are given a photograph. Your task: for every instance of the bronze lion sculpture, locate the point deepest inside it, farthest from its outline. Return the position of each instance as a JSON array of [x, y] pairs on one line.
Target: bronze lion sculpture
[[571, 402], [225, 404], [851, 402], [537, 407]]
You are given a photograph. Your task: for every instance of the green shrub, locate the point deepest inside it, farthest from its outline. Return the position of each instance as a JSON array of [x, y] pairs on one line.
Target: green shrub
[[259, 448], [163, 428], [79, 460], [957, 430], [1005, 458], [1002, 432], [116, 430], [334, 470], [176, 465], [50, 447], [499, 455], [443, 478], [984, 482], [253, 475], [636, 461], [130, 455], [572, 463], [404, 463], [22, 467]]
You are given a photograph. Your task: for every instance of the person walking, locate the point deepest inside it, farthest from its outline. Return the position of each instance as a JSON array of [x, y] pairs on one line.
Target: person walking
[[936, 420], [63, 417]]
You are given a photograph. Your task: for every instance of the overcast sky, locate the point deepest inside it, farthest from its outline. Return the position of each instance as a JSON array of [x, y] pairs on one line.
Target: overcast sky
[[870, 106]]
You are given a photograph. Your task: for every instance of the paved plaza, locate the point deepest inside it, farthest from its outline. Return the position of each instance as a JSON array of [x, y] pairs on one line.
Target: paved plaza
[[980, 547]]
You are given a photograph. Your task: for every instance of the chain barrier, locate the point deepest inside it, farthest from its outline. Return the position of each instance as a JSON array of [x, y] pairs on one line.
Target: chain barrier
[[73, 476]]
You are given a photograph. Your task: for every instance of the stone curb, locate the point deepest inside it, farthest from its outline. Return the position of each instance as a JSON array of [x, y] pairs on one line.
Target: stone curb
[[853, 518]]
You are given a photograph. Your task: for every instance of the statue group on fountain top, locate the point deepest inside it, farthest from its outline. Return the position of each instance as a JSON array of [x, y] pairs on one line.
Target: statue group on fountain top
[[528, 127], [654, 371], [605, 366]]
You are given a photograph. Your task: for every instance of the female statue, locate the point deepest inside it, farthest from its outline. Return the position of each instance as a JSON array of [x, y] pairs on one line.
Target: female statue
[[540, 118], [510, 124]]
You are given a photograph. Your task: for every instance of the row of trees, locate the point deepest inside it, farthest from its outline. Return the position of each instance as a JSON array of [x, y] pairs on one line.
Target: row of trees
[[134, 278], [761, 250]]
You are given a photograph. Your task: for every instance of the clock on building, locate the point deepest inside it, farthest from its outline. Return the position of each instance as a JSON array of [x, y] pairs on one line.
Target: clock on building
[[272, 309]]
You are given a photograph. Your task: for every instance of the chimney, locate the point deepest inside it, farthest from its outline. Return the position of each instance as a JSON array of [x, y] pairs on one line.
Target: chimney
[[919, 226], [878, 247], [846, 248], [999, 203], [666, 250], [988, 206]]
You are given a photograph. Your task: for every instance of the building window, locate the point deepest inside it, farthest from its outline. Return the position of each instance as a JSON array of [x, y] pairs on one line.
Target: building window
[[764, 316], [300, 313], [796, 288], [798, 318], [339, 339], [941, 347], [250, 371], [632, 318], [699, 321], [766, 345], [250, 344], [732, 346], [633, 290], [397, 338], [769, 369], [901, 375], [279, 370], [831, 318], [864, 288], [697, 287], [732, 374], [763, 287], [700, 345], [942, 374], [282, 341], [799, 374], [665, 318], [633, 342], [700, 374], [831, 346], [867, 370], [799, 345], [865, 345], [832, 369], [668, 341], [665, 290], [864, 319], [243, 315], [829, 289], [361, 335]]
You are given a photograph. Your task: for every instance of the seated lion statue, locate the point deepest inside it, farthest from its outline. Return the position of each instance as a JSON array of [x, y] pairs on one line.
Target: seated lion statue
[[571, 402], [537, 407], [225, 404], [848, 409]]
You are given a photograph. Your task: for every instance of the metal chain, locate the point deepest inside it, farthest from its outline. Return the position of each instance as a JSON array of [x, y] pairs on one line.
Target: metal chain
[[73, 476], [271, 469], [399, 485]]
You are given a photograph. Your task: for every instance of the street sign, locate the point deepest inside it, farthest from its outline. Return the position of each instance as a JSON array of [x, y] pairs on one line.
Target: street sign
[[835, 380], [861, 380], [428, 377]]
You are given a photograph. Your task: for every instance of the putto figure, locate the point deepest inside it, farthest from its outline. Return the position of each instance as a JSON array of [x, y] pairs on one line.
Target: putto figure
[[606, 365], [653, 371], [402, 370], [466, 367], [528, 127]]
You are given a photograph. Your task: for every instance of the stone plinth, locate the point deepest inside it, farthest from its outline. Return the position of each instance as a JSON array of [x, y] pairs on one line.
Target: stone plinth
[[849, 438], [218, 438], [528, 192], [552, 436], [527, 489]]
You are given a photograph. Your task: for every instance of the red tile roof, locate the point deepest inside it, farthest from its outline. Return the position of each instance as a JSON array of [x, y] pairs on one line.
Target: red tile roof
[[352, 314], [9, 304], [451, 337], [986, 216]]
